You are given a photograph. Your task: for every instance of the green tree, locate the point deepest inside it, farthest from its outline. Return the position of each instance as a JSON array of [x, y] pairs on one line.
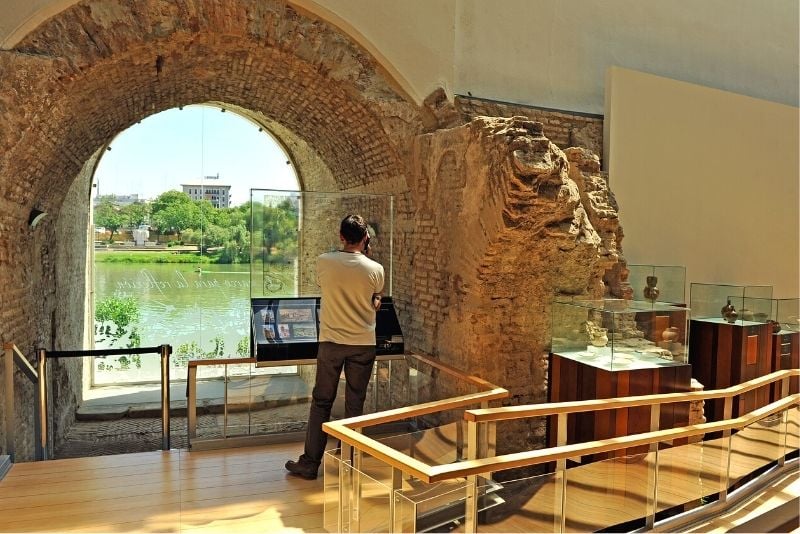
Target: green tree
[[174, 211], [135, 214], [108, 215], [117, 317], [279, 231]]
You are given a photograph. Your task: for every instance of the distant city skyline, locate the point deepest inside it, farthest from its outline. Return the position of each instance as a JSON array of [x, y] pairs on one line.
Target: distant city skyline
[[185, 146]]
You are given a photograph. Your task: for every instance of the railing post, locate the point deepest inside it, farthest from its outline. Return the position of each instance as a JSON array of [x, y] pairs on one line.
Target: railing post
[[191, 404], [727, 413], [345, 487], [42, 402], [165, 437], [785, 421], [355, 516], [652, 472], [397, 485], [8, 366], [559, 515], [471, 501]]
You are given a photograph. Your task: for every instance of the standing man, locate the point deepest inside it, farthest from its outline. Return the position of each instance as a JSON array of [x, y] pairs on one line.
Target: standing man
[[351, 285]]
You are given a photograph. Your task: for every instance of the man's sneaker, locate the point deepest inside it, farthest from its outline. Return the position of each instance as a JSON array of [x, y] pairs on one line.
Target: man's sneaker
[[306, 471]]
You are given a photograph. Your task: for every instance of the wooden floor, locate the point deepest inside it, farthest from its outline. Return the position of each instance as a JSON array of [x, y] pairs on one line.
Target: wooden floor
[[241, 490], [247, 490]]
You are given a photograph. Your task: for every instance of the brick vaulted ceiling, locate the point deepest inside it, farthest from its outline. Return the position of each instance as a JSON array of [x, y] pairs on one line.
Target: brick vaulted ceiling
[[93, 70]]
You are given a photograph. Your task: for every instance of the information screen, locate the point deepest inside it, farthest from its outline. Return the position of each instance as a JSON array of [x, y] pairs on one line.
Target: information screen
[[288, 329]]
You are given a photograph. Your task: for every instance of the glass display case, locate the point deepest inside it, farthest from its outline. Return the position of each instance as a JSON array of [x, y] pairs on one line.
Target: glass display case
[[732, 304], [615, 334], [658, 283], [787, 313], [290, 229]]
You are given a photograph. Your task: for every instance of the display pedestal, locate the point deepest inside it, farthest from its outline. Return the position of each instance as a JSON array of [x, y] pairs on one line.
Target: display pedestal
[[724, 354], [785, 355], [572, 380]]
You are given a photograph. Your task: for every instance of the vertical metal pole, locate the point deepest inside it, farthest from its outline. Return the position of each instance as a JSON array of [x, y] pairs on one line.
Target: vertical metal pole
[[471, 502], [355, 523], [191, 404], [727, 413], [652, 471], [165, 352], [8, 367], [394, 514], [345, 487], [225, 403], [785, 421], [42, 402], [560, 516]]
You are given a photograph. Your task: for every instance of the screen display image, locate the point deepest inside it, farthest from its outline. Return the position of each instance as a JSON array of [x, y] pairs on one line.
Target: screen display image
[[288, 329]]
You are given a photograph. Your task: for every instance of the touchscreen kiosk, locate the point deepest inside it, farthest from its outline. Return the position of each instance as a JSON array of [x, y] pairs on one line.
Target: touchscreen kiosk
[[286, 329]]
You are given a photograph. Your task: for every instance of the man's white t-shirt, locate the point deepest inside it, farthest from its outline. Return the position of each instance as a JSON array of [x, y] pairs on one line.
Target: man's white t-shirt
[[348, 281]]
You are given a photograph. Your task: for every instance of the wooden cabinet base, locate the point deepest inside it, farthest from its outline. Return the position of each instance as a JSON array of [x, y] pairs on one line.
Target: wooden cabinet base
[[571, 380], [723, 355]]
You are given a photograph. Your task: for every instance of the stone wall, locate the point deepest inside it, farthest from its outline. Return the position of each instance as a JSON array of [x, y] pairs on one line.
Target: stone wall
[[505, 221], [491, 219], [564, 128]]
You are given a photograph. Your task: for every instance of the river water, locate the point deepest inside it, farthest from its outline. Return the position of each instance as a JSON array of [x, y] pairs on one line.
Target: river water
[[178, 304]]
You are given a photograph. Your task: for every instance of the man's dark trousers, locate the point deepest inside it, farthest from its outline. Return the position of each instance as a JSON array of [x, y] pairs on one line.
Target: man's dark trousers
[[357, 361]]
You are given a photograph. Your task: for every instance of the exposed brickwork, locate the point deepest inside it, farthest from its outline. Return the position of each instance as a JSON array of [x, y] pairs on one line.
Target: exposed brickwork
[[90, 72], [490, 219], [504, 222], [565, 129]]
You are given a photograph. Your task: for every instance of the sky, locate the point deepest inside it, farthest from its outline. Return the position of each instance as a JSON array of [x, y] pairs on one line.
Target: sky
[[177, 146]]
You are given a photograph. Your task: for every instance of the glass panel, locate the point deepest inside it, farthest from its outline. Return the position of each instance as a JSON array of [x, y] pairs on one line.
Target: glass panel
[[756, 446], [690, 475], [432, 506], [523, 505], [330, 478], [615, 490], [787, 312], [366, 503], [291, 229], [712, 301], [658, 283], [372, 504], [405, 513], [793, 430]]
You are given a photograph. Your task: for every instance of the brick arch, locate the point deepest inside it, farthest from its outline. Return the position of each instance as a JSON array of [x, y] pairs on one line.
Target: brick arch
[[99, 66], [116, 66]]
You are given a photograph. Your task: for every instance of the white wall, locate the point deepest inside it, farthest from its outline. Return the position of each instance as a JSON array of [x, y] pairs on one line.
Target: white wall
[[550, 53], [707, 179]]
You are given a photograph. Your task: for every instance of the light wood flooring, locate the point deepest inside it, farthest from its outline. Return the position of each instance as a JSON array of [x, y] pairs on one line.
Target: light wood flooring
[[247, 489], [241, 490]]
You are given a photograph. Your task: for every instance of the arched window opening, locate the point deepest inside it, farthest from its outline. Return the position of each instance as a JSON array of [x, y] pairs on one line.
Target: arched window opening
[[172, 209]]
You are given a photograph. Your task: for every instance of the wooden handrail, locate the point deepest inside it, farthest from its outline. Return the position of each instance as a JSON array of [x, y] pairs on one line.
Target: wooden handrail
[[220, 361], [506, 413], [528, 458], [25, 366], [430, 474], [405, 412]]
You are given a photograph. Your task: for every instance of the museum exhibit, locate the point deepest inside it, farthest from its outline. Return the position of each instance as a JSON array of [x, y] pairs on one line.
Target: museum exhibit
[[586, 219]]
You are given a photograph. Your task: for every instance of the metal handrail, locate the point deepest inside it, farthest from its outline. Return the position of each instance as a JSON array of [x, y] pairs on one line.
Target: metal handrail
[[14, 356], [44, 355], [349, 431]]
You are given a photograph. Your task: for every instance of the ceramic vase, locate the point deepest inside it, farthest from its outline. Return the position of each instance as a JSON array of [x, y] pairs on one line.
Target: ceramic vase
[[670, 334], [651, 292], [599, 338], [729, 312]]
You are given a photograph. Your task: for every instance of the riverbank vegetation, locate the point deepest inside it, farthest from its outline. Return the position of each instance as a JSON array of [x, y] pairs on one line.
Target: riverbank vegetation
[[222, 235]]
